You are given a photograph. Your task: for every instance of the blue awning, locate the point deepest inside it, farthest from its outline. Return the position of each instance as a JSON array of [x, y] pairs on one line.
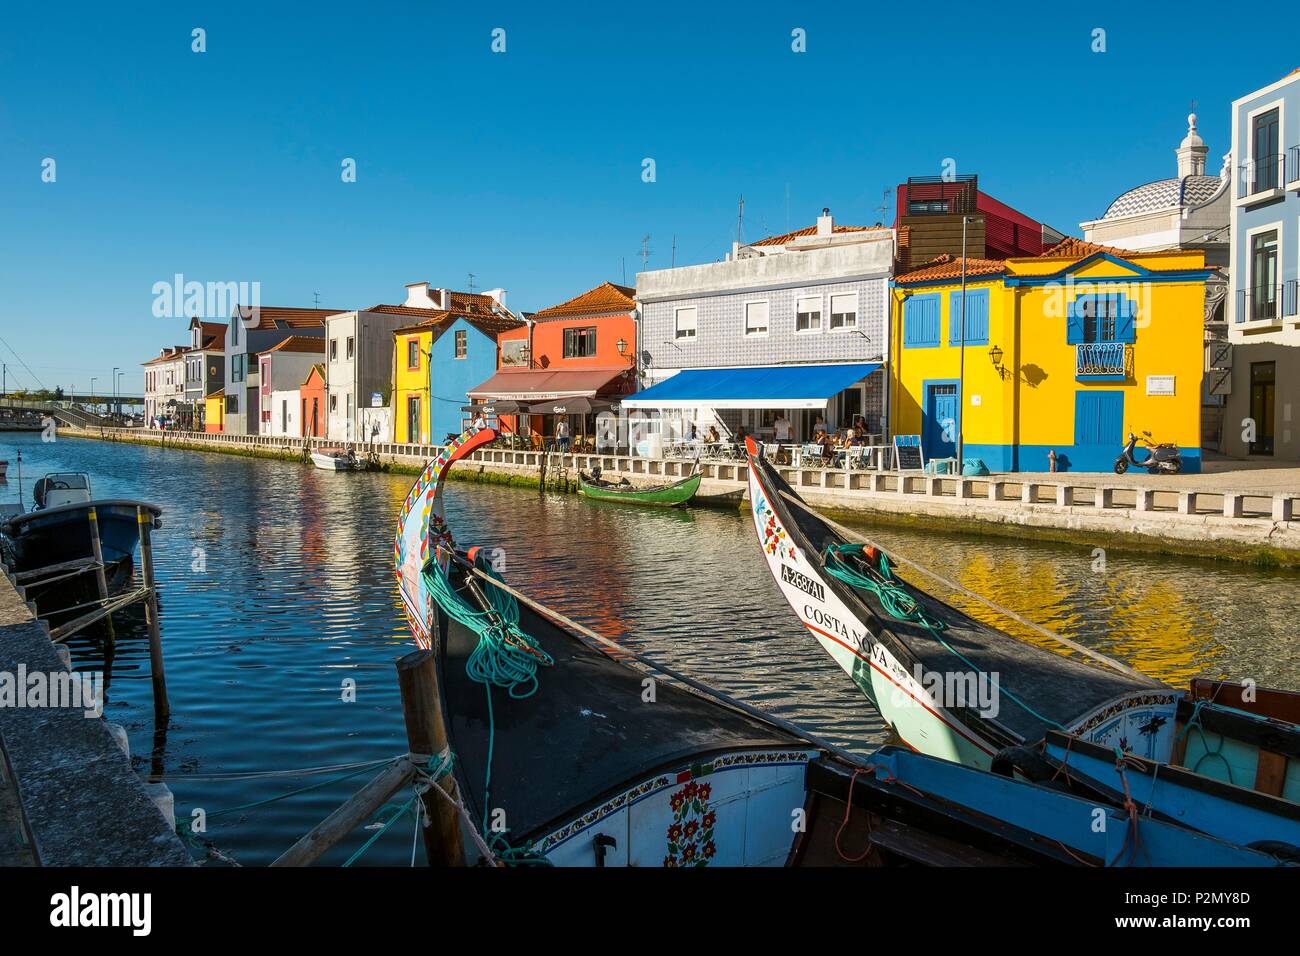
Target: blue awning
[[767, 386]]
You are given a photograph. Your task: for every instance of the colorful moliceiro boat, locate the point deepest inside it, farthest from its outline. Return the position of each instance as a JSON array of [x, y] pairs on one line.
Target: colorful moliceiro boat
[[672, 495], [556, 739]]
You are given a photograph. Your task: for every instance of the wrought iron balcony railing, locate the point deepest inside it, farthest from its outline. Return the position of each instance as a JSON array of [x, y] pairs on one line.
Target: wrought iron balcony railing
[[1293, 165], [1101, 359], [1261, 175], [1267, 303]]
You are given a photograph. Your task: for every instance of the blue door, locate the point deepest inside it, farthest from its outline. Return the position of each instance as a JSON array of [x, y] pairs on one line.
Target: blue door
[[1098, 430], [939, 434]]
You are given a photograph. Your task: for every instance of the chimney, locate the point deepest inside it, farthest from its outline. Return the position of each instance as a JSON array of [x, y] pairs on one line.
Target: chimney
[[443, 298], [498, 296], [825, 225], [417, 295]]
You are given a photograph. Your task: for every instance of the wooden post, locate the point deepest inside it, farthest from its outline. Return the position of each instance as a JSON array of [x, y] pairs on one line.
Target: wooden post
[[426, 735], [161, 708], [101, 579]]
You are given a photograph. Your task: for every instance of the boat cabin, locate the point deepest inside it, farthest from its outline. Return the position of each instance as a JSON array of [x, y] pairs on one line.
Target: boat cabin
[[62, 488]]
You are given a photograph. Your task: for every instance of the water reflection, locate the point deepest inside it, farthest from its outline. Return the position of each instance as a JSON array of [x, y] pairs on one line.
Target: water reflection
[[295, 594]]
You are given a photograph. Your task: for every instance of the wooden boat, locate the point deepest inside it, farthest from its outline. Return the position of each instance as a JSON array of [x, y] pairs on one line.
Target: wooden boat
[[4, 468], [673, 495], [909, 652], [336, 459], [948, 685], [57, 530], [558, 758]]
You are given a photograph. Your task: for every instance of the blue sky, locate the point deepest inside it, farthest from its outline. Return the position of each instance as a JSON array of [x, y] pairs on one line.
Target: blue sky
[[524, 167]]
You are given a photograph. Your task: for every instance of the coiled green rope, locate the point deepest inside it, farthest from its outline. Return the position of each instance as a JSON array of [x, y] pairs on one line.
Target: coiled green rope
[[900, 604], [504, 657]]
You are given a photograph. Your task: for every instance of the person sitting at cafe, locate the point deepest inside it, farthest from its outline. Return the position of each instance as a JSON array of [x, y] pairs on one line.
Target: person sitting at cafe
[[819, 427], [713, 437]]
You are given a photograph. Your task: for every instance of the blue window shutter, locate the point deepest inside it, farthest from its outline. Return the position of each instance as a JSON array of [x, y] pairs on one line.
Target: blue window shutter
[[1074, 322], [921, 321], [1125, 323], [977, 317], [954, 317]]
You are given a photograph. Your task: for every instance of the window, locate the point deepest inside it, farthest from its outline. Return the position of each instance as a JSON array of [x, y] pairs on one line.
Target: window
[[334, 402], [756, 318], [927, 207], [579, 343], [977, 317], [412, 354], [232, 404], [1099, 313], [352, 346], [1103, 317], [1265, 156], [1263, 294], [284, 415], [684, 321], [462, 343], [349, 408], [334, 350], [921, 321], [808, 314], [844, 310], [237, 367]]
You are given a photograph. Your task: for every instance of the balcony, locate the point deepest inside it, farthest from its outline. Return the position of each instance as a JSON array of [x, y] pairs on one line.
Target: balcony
[[1293, 168], [1266, 305], [1102, 361], [1261, 179]]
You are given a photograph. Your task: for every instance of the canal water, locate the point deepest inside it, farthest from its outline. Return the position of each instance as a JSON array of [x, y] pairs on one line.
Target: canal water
[[277, 589]]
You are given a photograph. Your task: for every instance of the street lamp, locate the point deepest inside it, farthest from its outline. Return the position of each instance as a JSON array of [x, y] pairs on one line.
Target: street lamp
[[114, 383], [93, 380]]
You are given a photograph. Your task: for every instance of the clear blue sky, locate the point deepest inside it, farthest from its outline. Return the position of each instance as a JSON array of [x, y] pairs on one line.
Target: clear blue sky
[[525, 167]]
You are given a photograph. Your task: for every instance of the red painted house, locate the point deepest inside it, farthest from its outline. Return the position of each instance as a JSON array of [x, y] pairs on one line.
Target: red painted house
[[582, 348]]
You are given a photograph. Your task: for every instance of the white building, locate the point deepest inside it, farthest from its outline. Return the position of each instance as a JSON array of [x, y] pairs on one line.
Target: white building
[[281, 371], [794, 325], [164, 383]]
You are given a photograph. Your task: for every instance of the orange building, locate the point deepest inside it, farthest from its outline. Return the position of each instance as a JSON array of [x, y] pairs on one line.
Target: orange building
[[584, 348], [312, 393]]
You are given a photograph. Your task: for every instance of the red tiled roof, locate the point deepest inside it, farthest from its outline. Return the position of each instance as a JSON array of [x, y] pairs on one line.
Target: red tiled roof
[[949, 267], [275, 317], [490, 324], [467, 301], [606, 298], [176, 352], [1072, 248], [812, 231], [298, 343]]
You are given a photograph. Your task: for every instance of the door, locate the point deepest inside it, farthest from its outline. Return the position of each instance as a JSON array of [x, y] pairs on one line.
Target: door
[[939, 426], [413, 419], [1263, 382], [1098, 431], [315, 412]]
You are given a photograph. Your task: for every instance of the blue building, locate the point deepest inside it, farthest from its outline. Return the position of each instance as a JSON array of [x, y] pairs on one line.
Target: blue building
[[1263, 318], [439, 359]]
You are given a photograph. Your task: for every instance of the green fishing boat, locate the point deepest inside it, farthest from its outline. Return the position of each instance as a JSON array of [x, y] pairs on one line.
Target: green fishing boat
[[675, 495]]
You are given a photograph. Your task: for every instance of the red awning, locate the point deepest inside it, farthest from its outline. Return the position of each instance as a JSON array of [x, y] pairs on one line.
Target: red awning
[[537, 385]]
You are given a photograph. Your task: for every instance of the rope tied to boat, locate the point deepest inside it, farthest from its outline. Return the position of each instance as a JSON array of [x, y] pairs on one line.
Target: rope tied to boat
[[504, 657], [899, 603]]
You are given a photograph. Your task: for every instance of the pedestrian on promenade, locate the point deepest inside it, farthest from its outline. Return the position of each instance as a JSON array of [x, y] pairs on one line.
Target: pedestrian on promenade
[[562, 435]]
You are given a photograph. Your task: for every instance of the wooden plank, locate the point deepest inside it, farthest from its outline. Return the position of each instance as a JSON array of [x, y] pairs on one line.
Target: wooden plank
[[64, 631], [1270, 775], [357, 810], [1265, 701], [80, 564]]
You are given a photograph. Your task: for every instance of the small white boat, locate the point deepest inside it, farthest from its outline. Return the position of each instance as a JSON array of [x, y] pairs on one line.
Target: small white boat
[[336, 459]]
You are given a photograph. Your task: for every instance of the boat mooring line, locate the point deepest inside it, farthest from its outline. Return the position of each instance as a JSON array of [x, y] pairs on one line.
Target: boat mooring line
[[1037, 628], [703, 688]]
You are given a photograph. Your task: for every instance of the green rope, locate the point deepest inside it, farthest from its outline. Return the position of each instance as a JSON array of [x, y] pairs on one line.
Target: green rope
[[1206, 753], [504, 657], [901, 605], [403, 810], [184, 828]]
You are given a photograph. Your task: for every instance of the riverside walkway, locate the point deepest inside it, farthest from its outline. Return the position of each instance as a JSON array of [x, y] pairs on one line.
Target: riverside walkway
[[1234, 509]]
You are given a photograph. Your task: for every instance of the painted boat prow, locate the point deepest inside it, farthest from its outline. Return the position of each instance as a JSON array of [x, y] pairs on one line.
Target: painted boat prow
[[422, 530]]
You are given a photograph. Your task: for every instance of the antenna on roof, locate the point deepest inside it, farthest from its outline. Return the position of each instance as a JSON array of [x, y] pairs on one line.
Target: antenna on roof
[[471, 284], [740, 220], [883, 208], [645, 251], [317, 297], [674, 259]]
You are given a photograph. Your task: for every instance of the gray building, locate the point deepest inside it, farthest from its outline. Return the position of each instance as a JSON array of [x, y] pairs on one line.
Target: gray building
[[205, 368], [245, 338], [793, 326]]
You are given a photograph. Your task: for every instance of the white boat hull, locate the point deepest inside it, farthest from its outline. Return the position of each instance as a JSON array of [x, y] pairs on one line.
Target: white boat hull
[[332, 462]]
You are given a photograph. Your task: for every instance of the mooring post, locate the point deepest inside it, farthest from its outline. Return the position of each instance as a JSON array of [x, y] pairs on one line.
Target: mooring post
[[161, 708], [426, 736], [101, 579]]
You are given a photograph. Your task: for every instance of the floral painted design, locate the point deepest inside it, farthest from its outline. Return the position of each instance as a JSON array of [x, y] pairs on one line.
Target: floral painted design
[[775, 541], [690, 835]]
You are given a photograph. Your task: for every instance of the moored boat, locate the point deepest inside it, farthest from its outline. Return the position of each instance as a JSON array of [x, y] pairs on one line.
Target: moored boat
[[924, 666], [336, 459], [563, 754], [673, 495], [57, 531]]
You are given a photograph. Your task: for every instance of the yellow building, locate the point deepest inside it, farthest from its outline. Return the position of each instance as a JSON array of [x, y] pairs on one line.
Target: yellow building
[[214, 411], [411, 348], [1066, 352]]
